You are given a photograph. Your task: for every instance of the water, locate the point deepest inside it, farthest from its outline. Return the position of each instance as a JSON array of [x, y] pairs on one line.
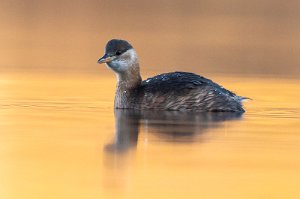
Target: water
[[61, 138]]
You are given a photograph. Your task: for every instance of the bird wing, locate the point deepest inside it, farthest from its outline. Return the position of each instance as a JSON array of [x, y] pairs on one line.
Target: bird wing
[[180, 82]]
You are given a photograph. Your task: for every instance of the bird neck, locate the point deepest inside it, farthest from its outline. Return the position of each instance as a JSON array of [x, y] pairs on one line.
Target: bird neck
[[129, 79]]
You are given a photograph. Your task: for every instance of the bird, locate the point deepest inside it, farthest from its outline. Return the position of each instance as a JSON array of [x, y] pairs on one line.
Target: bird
[[173, 91]]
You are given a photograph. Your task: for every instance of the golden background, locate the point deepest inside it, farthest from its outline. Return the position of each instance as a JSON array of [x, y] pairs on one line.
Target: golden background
[[61, 138], [208, 36]]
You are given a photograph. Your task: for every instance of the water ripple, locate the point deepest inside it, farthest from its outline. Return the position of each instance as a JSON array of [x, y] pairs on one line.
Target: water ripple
[[70, 105], [275, 113]]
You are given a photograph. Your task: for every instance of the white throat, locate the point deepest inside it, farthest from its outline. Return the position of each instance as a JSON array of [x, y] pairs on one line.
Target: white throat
[[124, 62]]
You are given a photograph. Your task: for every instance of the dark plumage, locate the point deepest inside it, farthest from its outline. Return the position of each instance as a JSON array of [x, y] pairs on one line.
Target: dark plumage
[[169, 91], [183, 91], [116, 46]]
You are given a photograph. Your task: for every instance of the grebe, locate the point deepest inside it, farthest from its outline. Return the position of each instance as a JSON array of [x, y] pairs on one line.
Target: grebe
[[169, 91]]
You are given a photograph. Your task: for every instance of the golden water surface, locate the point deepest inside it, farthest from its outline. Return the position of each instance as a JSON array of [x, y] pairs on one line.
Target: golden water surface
[[61, 138]]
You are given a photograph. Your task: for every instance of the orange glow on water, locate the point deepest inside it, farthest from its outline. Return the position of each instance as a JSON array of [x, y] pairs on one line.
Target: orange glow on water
[[58, 139]]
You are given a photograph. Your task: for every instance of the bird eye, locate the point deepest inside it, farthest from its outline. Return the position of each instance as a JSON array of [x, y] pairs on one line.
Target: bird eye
[[118, 52]]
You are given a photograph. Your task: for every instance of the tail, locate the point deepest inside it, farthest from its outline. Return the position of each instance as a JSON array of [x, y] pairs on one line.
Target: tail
[[244, 99]]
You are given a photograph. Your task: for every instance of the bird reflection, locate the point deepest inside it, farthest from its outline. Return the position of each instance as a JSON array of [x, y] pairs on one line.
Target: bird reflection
[[171, 126]]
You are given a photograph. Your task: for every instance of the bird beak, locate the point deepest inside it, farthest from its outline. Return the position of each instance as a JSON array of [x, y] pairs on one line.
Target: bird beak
[[106, 58]]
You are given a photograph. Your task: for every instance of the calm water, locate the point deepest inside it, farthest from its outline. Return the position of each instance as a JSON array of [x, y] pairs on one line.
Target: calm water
[[61, 138]]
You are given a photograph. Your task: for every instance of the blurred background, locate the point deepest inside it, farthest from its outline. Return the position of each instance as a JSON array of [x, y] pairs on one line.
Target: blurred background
[[61, 138], [258, 37]]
